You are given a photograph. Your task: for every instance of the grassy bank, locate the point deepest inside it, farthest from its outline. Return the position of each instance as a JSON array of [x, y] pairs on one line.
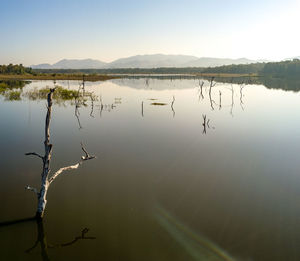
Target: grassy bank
[[92, 77], [56, 77], [228, 75]]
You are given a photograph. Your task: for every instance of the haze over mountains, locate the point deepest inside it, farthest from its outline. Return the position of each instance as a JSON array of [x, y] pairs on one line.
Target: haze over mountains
[[145, 61]]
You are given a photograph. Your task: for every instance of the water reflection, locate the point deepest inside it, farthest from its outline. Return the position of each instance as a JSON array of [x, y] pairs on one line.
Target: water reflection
[[45, 246], [241, 96], [228, 187], [172, 106], [42, 237], [206, 124]]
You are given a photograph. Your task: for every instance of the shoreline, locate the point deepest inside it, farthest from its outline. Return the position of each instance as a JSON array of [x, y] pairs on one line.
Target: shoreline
[[91, 78], [88, 77]]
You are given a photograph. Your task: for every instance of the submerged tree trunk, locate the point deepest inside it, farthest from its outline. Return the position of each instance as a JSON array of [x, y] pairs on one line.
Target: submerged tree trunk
[[42, 201], [46, 179]]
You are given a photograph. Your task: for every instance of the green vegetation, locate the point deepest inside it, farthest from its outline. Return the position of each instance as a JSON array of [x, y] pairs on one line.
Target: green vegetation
[[19, 72], [54, 76], [60, 94], [13, 95], [11, 90], [282, 69], [275, 69], [18, 69], [9, 85], [3, 87], [253, 68]]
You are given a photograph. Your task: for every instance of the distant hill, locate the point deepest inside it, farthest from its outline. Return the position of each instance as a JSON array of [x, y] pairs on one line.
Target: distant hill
[[152, 61], [145, 61], [72, 64], [213, 62], [42, 66]]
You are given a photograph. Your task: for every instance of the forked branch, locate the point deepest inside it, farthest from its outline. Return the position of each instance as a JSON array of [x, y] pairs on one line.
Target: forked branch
[[87, 155]]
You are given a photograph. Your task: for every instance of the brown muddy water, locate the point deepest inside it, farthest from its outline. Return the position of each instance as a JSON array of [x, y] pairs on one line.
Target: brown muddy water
[[179, 174]]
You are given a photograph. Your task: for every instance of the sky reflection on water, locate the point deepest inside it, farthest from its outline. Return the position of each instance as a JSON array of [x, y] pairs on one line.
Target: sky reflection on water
[[236, 186]]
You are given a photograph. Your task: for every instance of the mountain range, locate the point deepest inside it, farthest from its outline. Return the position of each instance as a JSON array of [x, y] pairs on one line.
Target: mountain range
[[145, 61]]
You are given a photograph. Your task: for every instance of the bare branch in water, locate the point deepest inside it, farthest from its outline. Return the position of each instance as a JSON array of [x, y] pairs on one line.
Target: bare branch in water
[[232, 100], [172, 104], [241, 95], [212, 84], [34, 154], [87, 155], [92, 106], [82, 236], [201, 83], [61, 170], [46, 180], [204, 124]]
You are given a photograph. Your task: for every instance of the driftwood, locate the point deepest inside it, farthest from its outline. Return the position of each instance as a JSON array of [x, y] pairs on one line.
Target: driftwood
[[46, 159]]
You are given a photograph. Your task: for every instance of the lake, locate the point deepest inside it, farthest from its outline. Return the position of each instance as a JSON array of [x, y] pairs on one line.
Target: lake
[[182, 172]]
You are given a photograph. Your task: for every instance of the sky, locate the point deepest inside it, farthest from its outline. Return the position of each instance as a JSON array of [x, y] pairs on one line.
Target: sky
[[45, 31]]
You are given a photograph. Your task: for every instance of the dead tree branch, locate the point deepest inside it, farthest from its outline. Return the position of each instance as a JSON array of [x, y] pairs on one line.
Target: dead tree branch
[[92, 107], [87, 155], [34, 154], [204, 124], [201, 83], [232, 100], [45, 246], [46, 180], [82, 236], [172, 104], [241, 95], [61, 170], [212, 84]]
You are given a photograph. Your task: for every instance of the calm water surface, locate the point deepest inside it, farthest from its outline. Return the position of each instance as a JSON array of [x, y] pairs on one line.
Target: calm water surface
[[162, 187]]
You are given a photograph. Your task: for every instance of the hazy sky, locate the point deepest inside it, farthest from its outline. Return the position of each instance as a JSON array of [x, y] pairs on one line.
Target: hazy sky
[[45, 31]]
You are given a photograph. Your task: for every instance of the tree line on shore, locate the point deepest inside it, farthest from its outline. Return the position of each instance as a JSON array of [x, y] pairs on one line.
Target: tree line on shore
[[289, 68], [14, 69]]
